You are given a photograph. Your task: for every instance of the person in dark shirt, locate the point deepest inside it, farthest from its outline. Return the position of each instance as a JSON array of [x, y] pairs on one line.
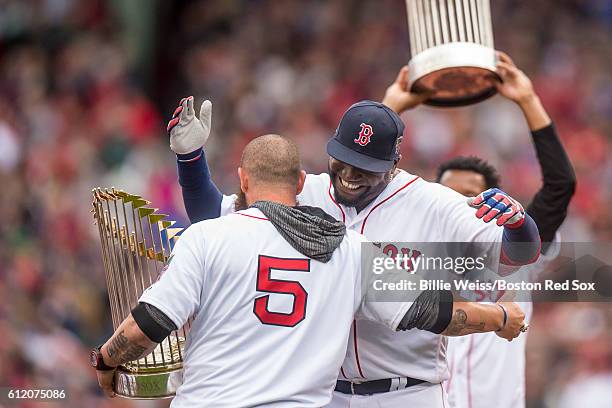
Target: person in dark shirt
[[548, 208], [471, 175]]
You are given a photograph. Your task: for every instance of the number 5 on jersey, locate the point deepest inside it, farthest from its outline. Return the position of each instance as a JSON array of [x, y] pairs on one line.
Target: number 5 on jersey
[[288, 287]]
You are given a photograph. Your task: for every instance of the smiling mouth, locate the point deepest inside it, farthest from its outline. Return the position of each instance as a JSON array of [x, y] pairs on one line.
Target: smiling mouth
[[348, 186]]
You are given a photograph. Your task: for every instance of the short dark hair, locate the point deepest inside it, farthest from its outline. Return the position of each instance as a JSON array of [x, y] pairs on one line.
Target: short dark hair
[[472, 163]]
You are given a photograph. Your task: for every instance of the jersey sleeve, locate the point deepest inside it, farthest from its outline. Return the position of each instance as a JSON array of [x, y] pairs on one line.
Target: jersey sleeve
[[458, 222], [389, 314], [315, 191], [228, 204], [177, 292]]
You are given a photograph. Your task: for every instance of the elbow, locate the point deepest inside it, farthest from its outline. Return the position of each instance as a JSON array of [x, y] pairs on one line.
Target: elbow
[[151, 323], [524, 254], [136, 334], [563, 191], [431, 311], [568, 185], [521, 246], [562, 188]]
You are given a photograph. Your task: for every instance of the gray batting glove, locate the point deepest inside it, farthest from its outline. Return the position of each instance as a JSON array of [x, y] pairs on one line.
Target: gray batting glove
[[187, 132]]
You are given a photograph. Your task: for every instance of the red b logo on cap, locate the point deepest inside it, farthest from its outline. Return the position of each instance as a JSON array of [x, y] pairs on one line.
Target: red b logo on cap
[[365, 134]]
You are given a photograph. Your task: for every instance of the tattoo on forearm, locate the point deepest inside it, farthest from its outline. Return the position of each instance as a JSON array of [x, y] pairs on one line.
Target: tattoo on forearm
[[459, 324], [121, 350]]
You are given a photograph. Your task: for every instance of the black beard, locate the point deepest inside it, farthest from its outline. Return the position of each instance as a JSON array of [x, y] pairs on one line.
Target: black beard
[[349, 202], [364, 198], [342, 200], [240, 203]]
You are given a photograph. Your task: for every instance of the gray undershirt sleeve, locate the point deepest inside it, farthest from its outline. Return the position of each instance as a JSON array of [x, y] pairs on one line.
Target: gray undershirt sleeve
[[432, 311]]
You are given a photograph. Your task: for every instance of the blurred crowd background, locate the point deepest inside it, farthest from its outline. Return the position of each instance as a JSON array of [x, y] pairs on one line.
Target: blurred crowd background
[[86, 88]]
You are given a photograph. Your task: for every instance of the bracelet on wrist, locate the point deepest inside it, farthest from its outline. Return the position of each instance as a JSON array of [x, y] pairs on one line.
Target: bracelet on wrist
[[97, 360], [505, 317]]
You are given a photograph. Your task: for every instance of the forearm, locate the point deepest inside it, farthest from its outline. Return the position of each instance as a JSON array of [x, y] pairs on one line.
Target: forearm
[[473, 317], [534, 112], [393, 104], [549, 205], [399, 98], [201, 196], [128, 343]]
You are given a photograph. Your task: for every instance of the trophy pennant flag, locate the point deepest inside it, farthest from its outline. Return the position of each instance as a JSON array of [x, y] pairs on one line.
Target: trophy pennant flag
[[452, 49], [136, 244]]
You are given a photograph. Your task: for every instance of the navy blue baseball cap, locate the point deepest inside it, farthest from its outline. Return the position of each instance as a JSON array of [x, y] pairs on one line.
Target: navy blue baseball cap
[[367, 137]]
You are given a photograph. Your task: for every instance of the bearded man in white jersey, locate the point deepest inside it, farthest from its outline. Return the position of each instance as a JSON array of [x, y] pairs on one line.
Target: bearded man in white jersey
[[365, 190], [273, 290]]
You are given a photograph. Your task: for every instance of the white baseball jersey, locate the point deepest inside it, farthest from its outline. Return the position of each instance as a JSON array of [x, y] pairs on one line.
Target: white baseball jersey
[[271, 325], [485, 367], [410, 209]]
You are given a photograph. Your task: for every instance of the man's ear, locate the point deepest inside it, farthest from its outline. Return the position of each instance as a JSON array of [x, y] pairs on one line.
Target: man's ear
[[399, 158], [395, 163], [244, 180], [301, 181]]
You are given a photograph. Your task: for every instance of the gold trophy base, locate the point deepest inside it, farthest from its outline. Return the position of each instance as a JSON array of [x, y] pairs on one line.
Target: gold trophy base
[[458, 74], [139, 380], [129, 384]]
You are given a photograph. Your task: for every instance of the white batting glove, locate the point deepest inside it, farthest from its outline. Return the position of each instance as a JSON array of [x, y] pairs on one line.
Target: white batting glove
[[187, 132]]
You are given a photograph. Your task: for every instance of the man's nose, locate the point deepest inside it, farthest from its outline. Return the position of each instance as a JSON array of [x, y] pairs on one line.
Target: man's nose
[[350, 173]]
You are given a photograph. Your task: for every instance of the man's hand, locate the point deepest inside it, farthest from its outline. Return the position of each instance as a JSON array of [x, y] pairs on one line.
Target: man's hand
[[106, 380], [495, 204], [399, 98], [128, 343], [515, 85], [187, 132], [515, 320]]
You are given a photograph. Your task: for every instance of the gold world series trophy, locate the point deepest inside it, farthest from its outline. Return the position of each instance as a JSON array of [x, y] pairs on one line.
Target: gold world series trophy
[[452, 51], [136, 244]]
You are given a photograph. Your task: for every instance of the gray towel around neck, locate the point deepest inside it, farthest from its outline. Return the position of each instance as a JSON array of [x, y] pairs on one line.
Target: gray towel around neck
[[309, 230]]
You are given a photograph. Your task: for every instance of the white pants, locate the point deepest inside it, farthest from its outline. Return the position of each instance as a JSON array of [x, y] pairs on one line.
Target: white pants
[[417, 396]]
